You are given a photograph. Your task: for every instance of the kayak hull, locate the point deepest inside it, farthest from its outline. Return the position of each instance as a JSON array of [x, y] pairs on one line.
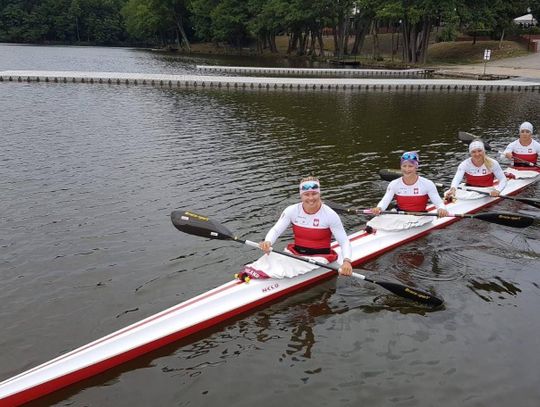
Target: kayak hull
[[210, 308]]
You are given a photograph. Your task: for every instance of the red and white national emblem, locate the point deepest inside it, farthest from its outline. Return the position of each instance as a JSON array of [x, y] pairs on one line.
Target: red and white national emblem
[[315, 222]]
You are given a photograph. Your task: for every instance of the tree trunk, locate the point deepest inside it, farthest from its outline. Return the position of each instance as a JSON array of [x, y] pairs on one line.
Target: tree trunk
[[293, 39], [312, 43], [502, 39], [416, 40], [361, 27], [302, 44], [272, 43], [375, 36], [336, 43], [77, 27], [321, 42], [183, 33], [339, 35]]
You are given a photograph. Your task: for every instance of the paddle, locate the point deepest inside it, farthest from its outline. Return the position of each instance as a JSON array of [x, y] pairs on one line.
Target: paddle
[[390, 175], [513, 220], [529, 201], [468, 138], [198, 225]]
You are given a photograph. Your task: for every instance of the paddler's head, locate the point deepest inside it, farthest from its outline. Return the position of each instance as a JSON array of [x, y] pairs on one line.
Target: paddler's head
[[477, 150], [310, 194], [409, 162], [525, 133]]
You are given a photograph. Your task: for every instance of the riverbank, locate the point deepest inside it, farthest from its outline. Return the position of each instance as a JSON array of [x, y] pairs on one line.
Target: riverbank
[[457, 59]]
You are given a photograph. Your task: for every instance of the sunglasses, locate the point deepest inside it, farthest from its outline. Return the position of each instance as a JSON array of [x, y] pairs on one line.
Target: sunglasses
[[410, 156], [309, 186]]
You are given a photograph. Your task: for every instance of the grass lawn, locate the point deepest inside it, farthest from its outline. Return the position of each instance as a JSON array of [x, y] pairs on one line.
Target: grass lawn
[[466, 53]]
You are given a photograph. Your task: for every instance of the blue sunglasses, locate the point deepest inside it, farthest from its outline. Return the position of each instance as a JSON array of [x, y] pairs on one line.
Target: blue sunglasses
[[410, 156], [310, 185]]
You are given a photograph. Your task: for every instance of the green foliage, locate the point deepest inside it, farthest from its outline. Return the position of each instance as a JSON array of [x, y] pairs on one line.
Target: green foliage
[[229, 21], [240, 22], [92, 21]]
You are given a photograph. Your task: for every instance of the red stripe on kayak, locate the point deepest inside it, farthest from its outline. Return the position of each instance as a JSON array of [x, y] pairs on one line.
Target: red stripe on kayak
[[63, 381], [129, 328]]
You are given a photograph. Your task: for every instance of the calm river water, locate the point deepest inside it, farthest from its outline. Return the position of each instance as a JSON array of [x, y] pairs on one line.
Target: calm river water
[[90, 174]]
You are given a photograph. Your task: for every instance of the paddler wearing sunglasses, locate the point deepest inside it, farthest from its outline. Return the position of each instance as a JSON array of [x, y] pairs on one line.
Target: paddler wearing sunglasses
[[479, 171], [412, 192], [313, 224], [524, 148]]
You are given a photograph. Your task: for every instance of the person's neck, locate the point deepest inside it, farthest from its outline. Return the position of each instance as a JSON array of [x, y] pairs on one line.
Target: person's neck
[[410, 179], [477, 161], [312, 209]]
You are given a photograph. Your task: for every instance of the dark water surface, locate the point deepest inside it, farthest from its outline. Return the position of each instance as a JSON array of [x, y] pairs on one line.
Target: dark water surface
[[90, 174]]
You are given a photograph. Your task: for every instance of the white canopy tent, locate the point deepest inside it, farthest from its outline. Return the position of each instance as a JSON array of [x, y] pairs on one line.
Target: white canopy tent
[[526, 20]]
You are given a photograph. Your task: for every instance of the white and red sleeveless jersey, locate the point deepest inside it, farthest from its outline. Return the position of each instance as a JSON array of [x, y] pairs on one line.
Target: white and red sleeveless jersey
[[528, 153], [411, 198], [312, 231], [479, 176]]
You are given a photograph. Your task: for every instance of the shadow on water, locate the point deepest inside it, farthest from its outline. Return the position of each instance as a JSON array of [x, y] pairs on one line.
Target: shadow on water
[[488, 290]]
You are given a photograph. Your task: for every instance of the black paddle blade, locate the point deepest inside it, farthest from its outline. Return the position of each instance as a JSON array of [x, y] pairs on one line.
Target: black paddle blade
[[529, 201], [411, 293], [514, 220], [199, 225], [468, 138], [339, 207], [389, 175]]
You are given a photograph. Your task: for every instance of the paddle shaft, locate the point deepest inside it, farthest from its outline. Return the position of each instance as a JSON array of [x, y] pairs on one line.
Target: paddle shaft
[[514, 220], [529, 201], [304, 259], [480, 216], [398, 289], [200, 225]]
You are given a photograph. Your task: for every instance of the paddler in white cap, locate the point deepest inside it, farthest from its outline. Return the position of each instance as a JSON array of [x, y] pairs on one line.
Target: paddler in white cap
[[313, 224], [523, 149], [479, 170], [412, 192]]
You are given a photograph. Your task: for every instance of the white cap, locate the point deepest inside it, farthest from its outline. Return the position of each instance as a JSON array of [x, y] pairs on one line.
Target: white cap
[[475, 145], [526, 126]]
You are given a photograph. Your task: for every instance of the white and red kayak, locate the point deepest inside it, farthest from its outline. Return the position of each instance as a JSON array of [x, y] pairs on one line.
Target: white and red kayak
[[210, 308]]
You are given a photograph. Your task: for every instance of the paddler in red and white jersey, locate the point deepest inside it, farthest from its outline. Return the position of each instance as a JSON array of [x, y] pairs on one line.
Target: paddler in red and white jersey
[[479, 171], [524, 148], [412, 192], [313, 225]]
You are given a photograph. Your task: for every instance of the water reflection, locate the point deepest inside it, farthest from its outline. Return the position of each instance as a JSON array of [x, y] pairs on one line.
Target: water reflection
[[488, 290]]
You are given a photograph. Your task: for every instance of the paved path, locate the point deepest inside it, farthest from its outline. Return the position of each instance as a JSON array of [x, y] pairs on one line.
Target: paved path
[[527, 67]]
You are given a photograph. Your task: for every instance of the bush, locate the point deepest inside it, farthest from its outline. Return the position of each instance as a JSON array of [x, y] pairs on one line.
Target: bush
[[448, 34]]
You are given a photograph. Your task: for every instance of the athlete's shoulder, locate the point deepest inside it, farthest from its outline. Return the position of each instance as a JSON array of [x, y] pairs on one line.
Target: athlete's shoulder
[[327, 210], [425, 180], [292, 209]]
